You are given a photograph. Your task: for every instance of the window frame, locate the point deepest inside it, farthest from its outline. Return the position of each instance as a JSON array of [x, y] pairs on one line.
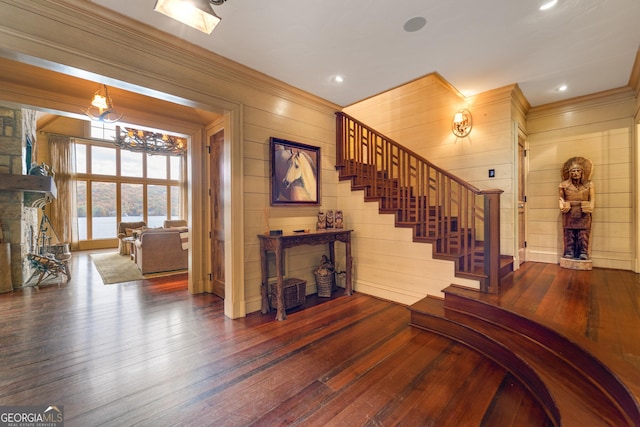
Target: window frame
[[89, 178]]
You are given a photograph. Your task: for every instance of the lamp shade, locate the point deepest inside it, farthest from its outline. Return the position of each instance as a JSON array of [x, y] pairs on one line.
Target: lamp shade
[[462, 123], [101, 107]]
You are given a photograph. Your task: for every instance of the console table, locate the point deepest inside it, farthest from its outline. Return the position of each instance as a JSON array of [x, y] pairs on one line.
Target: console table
[[279, 243]]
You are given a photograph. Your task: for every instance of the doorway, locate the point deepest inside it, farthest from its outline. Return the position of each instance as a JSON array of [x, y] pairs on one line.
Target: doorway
[[216, 159], [522, 199]]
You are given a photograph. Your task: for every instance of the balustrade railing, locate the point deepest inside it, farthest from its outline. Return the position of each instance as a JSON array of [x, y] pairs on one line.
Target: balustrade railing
[[461, 221]]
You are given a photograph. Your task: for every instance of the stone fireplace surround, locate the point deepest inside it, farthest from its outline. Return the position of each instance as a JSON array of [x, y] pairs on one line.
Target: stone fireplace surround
[[21, 195]]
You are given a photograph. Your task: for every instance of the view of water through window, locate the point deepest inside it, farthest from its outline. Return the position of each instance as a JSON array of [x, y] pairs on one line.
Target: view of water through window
[[106, 227], [108, 175]]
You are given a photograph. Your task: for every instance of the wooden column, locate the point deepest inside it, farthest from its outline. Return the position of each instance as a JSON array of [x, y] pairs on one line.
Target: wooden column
[[6, 285]]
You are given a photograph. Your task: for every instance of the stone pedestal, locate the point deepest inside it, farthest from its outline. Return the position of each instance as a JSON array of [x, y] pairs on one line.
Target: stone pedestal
[[576, 264], [6, 284]]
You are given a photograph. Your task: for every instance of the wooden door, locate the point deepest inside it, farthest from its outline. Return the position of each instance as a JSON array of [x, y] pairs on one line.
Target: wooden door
[[216, 159], [522, 200]]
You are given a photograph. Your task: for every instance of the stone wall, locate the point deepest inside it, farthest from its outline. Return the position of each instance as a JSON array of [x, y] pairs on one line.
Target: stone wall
[[19, 222]]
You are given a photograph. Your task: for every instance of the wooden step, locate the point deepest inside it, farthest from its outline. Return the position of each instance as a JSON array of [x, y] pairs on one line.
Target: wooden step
[[429, 314], [428, 223], [580, 388]]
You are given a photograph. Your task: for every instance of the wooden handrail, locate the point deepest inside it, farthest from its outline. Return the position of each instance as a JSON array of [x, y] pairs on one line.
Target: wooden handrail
[[461, 221]]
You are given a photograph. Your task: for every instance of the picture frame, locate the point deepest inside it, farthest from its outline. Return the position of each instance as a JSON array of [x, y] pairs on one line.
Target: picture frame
[[295, 173]]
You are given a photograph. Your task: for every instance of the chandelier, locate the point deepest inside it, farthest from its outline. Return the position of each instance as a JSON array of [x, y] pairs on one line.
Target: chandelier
[[150, 142], [101, 107]]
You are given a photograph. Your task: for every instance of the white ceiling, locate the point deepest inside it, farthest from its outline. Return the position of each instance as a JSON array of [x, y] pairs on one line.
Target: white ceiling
[[589, 45]]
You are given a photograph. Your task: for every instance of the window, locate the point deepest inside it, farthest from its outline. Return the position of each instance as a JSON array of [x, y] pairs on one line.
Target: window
[[103, 210], [115, 185], [102, 130], [130, 164]]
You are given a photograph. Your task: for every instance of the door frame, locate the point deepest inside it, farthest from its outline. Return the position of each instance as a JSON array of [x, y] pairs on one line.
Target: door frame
[[520, 134]]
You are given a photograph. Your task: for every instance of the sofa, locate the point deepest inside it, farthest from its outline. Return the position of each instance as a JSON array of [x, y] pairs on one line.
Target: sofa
[[125, 230], [173, 223], [161, 249]]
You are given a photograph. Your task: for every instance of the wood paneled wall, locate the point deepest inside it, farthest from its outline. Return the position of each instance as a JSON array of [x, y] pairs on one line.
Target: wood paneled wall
[[293, 122], [419, 115], [79, 38], [601, 128], [387, 263]]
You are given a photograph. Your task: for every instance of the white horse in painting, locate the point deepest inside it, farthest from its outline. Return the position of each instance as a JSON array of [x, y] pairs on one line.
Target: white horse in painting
[[300, 177]]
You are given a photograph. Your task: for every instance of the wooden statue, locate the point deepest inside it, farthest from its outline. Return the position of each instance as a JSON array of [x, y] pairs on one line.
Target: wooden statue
[[577, 200], [322, 221], [330, 219], [339, 221]]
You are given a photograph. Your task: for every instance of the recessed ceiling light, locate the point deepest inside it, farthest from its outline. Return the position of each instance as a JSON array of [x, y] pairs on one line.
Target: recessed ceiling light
[[548, 5], [338, 79], [561, 88], [415, 24]]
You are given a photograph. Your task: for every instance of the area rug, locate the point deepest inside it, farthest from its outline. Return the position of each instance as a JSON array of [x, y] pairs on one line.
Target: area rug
[[116, 268]]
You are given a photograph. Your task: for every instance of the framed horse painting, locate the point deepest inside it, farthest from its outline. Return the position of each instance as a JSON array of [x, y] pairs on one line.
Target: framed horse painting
[[295, 173]]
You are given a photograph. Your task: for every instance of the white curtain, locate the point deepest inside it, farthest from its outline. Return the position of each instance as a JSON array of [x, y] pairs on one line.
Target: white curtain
[[63, 210], [184, 187]]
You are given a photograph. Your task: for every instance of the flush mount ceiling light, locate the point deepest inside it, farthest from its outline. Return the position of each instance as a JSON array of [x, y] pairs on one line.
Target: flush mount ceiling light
[[149, 142], [462, 123], [197, 14], [101, 107], [548, 5]]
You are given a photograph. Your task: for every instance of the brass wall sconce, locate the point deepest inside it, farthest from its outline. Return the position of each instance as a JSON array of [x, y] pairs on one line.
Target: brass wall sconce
[[462, 123]]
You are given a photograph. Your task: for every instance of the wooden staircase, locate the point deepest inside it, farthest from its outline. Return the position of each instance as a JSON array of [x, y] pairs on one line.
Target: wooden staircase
[[460, 221], [574, 387]]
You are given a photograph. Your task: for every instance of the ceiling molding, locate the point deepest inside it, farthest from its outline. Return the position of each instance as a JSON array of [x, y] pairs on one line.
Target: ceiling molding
[[61, 94], [634, 79], [134, 47], [600, 99]]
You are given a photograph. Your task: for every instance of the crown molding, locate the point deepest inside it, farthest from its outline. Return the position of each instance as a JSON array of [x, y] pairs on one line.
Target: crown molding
[[634, 79], [59, 25], [599, 99]]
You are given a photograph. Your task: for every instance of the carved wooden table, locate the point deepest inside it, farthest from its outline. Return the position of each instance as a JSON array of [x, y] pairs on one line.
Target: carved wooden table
[[278, 244]]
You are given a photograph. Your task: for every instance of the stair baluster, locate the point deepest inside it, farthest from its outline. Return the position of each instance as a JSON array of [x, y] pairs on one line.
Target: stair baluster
[[461, 221]]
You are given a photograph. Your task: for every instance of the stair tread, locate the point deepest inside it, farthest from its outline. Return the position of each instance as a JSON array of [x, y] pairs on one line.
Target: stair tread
[[578, 399], [417, 208]]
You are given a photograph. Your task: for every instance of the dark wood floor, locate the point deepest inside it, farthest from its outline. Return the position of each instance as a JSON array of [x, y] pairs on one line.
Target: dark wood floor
[[599, 309], [148, 353]]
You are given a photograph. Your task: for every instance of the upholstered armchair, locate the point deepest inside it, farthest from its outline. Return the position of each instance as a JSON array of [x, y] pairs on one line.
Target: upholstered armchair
[[168, 223], [125, 229]]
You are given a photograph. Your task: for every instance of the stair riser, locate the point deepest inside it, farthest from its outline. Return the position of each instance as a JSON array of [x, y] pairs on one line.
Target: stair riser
[[573, 354], [428, 222], [494, 351]]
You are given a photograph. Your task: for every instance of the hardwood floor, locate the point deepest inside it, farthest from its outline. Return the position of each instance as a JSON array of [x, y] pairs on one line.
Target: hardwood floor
[[148, 353]]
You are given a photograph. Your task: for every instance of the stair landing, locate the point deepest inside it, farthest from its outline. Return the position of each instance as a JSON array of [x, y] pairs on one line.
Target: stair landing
[[556, 330]]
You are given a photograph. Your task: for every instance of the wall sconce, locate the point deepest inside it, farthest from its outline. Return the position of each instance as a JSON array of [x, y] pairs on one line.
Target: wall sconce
[[462, 123], [101, 107]]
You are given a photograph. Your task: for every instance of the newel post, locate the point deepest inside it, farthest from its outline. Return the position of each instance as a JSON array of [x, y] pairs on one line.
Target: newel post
[[340, 139], [492, 239]]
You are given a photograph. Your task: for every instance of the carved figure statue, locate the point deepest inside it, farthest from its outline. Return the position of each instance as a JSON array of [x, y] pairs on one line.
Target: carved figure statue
[[577, 200], [322, 221], [339, 221], [330, 219]]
